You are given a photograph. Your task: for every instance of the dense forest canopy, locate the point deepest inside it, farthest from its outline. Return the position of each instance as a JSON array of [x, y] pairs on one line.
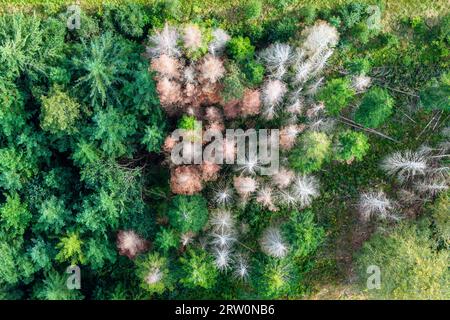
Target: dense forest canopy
[[359, 92]]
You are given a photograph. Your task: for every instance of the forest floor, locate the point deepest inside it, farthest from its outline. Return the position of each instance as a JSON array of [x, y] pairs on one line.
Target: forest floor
[[394, 9]]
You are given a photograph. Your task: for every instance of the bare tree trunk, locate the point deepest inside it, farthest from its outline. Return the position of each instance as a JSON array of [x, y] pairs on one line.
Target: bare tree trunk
[[358, 126]]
